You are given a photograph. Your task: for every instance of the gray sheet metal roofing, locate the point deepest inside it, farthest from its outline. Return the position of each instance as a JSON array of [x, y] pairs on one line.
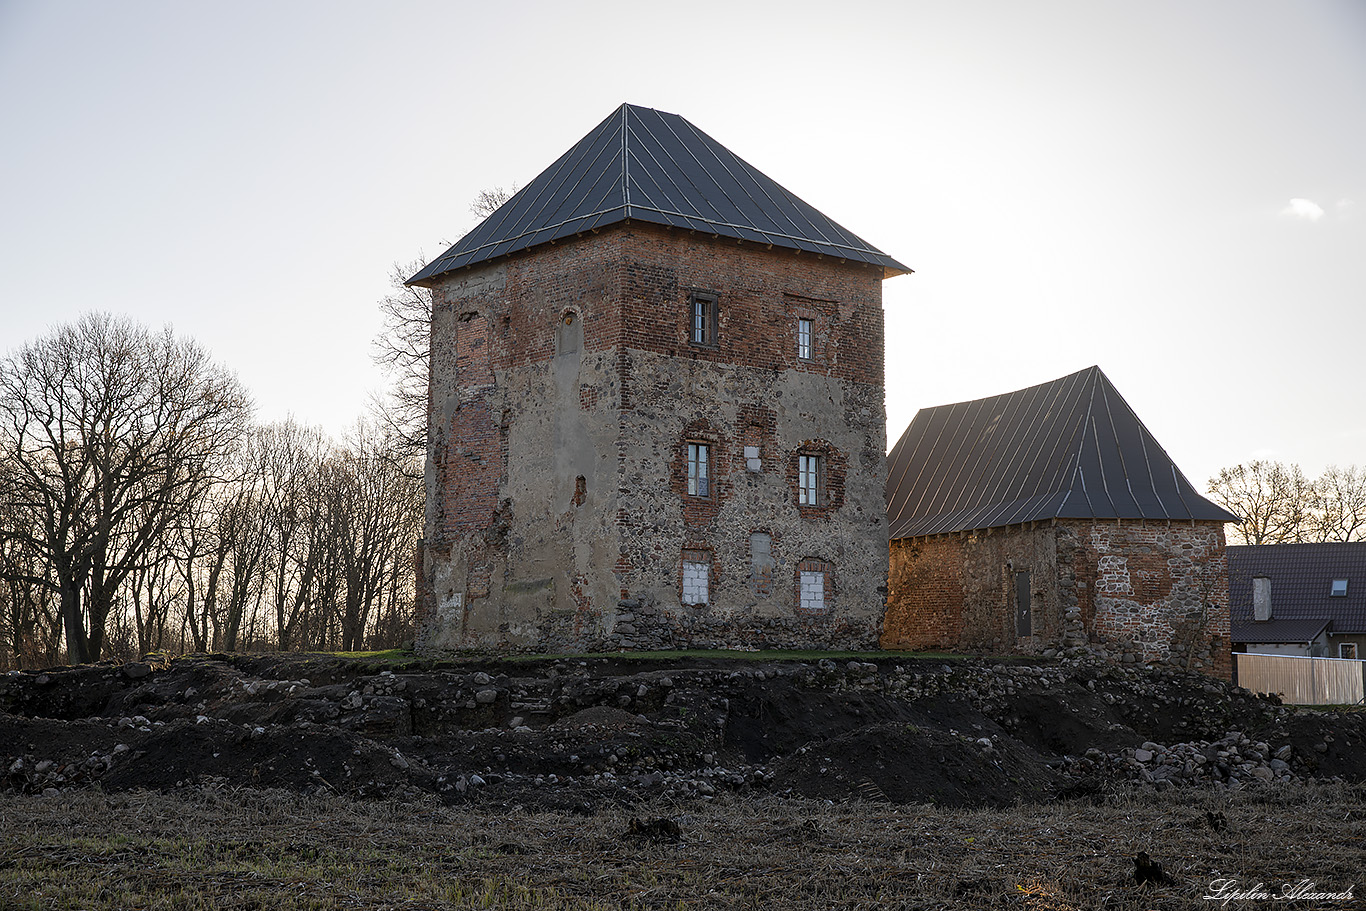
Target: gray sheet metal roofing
[[1301, 578], [1070, 448], [651, 166], [1264, 632]]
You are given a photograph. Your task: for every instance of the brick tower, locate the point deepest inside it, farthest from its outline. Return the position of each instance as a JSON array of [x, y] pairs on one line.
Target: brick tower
[[656, 410]]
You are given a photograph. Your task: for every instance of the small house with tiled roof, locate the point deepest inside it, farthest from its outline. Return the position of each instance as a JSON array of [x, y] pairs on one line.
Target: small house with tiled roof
[[1050, 520], [1299, 599], [656, 410]]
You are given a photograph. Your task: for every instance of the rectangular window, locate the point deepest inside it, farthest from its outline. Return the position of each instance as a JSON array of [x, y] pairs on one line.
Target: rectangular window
[[813, 591], [1347, 649], [702, 325], [1339, 588], [699, 473], [809, 480], [696, 577], [804, 339]]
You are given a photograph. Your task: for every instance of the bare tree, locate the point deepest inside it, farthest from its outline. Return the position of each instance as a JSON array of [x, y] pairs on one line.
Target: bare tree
[[490, 201], [1269, 497], [1279, 505], [292, 454], [107, 432], [374, 511], [1339, 504], [402, 349], [30, 619]]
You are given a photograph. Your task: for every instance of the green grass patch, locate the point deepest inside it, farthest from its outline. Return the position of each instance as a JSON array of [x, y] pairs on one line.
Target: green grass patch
[[388, 654], [740, 654]]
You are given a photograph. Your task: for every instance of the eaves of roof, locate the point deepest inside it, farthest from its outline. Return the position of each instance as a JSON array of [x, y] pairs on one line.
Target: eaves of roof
[[1261, 632]]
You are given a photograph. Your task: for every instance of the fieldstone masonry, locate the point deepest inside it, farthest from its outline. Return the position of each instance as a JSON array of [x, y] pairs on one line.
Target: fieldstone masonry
[[565, 389], [1130, 591]]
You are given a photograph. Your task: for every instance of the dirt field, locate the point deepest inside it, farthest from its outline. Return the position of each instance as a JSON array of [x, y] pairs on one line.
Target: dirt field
[[320, 782]]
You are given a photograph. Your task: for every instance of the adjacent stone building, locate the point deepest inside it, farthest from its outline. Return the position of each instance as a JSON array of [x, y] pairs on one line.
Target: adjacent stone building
[[656, 410], [1049, 520]]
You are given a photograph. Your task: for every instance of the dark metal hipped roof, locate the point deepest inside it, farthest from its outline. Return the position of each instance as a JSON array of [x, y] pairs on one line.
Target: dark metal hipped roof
[[1071, 448], [655, 167], [1301, 582]]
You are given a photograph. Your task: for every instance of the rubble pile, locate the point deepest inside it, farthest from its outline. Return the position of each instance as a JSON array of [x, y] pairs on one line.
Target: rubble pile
[[570, 733]]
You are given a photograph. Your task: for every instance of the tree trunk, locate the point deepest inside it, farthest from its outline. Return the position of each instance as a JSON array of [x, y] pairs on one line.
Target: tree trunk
[[77, 644]]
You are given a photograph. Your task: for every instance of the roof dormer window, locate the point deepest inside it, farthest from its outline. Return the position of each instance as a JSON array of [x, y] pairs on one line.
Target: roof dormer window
[[1339, 588]]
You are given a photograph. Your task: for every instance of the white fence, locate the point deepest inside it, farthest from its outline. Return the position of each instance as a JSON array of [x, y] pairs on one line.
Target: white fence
[[1303, 681]]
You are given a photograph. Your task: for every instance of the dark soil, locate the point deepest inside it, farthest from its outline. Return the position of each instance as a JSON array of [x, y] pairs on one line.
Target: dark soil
[[573, 734]]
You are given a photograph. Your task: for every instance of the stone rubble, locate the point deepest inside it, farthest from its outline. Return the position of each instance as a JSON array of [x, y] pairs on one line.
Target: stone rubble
[[576, 731]]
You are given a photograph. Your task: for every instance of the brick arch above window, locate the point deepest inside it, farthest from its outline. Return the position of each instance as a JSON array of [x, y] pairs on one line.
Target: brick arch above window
[[569, 334], [830, 467]]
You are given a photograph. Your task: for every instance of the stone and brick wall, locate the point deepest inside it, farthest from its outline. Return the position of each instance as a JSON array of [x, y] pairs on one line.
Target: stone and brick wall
[[1146, 592], [565, 389]]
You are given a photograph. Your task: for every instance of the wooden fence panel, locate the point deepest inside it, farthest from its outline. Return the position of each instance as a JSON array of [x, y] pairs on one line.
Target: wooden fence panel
[[1304, 681]]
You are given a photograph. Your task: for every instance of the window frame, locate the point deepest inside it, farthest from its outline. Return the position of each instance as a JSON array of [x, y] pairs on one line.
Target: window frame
[[703, 327], [806, 338], [810, 467], [699, 481], [1334, 591], [1344, 647]]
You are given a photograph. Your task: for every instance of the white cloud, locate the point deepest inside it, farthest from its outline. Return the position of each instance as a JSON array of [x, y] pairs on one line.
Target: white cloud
[[1344, 204], [1303, 208]]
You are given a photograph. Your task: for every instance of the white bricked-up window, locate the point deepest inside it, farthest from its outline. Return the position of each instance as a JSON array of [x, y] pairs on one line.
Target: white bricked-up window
[[699, 470], [702, 322], [813, 586], [752, 460], [696, 577], [813, 591], [804, 328], [809, 479]]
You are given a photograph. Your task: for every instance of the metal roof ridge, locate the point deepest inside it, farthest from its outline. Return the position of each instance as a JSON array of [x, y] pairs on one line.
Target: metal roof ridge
[[1078, 473]]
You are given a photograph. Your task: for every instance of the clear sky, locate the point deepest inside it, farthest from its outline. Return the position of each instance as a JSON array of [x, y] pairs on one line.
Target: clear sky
[[1175, 191]]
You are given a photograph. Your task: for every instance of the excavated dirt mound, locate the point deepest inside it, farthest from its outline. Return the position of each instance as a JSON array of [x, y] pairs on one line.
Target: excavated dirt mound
[[570, 734]]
